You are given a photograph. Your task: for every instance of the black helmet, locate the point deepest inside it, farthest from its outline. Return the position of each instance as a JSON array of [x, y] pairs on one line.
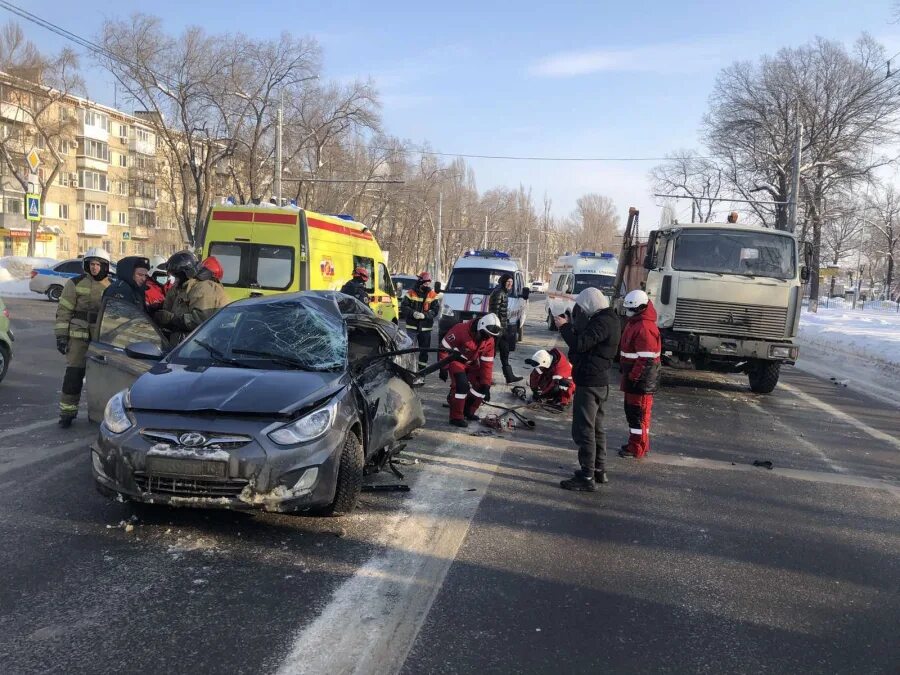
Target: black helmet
[[182, 265]]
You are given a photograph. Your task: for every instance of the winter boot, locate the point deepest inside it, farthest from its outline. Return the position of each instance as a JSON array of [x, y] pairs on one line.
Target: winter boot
[[472, 417], [626, 453], [600, 477], [511, 377], [462, 424], [581, 482], [65, 421]]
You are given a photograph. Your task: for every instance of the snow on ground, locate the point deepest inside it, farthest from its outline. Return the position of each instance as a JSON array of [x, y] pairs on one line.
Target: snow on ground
[[15, 272], [859, 349]]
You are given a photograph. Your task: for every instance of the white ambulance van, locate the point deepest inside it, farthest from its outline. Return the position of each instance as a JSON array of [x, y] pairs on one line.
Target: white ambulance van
[[572, 273], [471, 281]]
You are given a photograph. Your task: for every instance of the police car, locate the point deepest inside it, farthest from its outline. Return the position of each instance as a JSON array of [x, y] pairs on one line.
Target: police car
[[49, 281]]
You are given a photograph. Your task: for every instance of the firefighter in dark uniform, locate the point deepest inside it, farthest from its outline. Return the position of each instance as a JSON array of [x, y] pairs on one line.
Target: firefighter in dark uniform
[[76, 326], [419, 308]]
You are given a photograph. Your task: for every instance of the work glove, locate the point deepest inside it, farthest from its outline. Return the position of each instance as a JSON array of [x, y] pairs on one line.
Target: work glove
[[62, 344], [487, 393], [444, 375], [163, 317], [418, 316]]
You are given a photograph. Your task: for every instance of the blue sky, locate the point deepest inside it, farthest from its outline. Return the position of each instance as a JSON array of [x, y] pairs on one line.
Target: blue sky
[[585, 79]]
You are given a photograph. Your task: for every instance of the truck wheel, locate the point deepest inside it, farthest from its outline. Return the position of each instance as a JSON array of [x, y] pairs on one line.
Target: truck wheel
[[54, 293], [349, 479], [550, 323], [764, 376]]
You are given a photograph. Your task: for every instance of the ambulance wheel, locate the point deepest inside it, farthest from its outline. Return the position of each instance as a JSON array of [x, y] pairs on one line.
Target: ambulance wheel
[[551, 325]]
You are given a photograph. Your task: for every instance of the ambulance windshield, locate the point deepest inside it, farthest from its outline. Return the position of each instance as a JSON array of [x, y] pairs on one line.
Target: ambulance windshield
[[479, 280], [604, 282]]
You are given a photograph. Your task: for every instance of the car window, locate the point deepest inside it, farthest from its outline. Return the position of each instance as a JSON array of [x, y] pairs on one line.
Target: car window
[[124, 323], [70, 267], [274, 267], [229, 256], [369, 265]]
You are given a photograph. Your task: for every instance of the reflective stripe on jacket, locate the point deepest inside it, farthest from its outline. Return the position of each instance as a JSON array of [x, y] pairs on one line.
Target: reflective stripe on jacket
[[79, 306]]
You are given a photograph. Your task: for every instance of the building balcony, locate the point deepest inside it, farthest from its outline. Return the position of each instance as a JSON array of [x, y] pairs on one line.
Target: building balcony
[[95, 228], [139, 232], [92, 163], [95, 196], [144, 203], [13, 113], [147, 147], [98, 134]]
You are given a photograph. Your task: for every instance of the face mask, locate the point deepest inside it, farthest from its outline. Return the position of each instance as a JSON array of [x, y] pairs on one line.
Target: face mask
[[630, 312], [170, 279]]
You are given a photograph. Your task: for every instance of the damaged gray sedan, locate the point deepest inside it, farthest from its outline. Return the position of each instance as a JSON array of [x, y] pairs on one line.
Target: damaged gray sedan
[[279, 403]]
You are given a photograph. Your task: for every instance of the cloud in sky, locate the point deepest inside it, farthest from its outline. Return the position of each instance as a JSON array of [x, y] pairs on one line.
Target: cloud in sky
[[659, 58]]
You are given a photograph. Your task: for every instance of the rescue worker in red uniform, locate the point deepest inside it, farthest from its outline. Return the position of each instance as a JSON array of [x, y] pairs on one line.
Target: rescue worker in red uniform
[[470, 382], [419, 308], [551, 377], [639, 362]]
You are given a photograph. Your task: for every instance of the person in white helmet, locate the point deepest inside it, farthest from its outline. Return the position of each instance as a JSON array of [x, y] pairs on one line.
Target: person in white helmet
[[75, 327], [639, 361], [551, 377], [470, 382]]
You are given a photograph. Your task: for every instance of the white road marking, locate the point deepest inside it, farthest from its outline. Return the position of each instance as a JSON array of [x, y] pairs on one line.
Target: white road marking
[[840, 414], [27, 457], [15, 431], [372, 620]]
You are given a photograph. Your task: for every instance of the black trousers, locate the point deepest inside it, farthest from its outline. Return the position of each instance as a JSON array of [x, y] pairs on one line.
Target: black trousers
[[423, 341], [502, 348], [587, 427]]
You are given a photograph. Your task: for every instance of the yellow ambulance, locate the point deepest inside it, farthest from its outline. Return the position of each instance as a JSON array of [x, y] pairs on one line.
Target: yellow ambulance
[[265, 250]]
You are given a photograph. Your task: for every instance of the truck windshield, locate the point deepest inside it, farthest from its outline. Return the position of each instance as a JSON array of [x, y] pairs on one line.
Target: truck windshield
[[604, 282], [723, 252], [480, 280]]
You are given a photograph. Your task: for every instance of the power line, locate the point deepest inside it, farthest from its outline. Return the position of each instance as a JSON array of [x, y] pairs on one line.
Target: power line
[[538, 158]]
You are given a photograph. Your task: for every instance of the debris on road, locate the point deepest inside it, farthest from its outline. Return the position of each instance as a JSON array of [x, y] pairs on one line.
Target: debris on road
[[764, 463]]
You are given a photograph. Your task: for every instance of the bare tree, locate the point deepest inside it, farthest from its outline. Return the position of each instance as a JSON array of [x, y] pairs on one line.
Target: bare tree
[[685, 173], [598, 222], [39, 117], [884, 233]]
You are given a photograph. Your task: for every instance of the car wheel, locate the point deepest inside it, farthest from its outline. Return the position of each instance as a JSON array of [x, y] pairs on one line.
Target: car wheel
[[764, 377], [349, 479], [54, 293], [551, 325], [4, 361]]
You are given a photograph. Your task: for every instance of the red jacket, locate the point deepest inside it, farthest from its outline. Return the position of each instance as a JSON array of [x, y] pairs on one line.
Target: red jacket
[[479, 365], [640, 349], [154, 295], [545, 382]]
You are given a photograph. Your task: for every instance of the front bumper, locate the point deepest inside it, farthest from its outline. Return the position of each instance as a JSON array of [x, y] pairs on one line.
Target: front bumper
[[728, 348], [259, 475]]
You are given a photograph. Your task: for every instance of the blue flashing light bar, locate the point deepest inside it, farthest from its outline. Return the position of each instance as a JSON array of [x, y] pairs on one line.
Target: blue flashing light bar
[[607, 256], [344, 216], [486, 253]]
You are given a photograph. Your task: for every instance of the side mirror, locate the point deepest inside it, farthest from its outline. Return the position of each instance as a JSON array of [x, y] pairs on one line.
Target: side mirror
[[146, 351], [438, 287], [804, 273], [525, 293], [650, 262]]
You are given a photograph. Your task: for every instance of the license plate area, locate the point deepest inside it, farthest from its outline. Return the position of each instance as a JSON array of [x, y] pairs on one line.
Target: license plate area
[[170, 466]]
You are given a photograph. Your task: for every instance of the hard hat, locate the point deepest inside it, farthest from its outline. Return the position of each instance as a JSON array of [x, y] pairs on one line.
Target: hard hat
[[541, 359], [425, 276], [362, 273], [635, 299], [183, 263], [97, 253], [213, 265], [489, 324], [158, 261]]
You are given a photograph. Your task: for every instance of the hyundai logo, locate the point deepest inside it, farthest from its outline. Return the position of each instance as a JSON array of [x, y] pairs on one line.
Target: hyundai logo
[[192, 439]]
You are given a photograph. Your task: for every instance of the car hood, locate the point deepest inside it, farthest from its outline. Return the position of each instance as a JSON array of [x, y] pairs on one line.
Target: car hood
[[180, 388]]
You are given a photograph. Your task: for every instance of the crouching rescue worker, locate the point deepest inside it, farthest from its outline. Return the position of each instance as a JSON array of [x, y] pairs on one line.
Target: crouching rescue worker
[[639, 363], [131, 282], [76, 326], [470, 382], [592, 336], [551, 377], [419, 308], [356, 287], [195, 296]]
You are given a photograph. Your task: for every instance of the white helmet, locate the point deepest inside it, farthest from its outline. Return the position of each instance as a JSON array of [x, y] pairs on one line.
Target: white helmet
[[97, 253], [489, 324], [635, 301], [541, 359]]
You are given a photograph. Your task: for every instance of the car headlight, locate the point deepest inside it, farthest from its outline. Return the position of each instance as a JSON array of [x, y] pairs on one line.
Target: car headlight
[[446, 311], [115, 417], [307, 428]]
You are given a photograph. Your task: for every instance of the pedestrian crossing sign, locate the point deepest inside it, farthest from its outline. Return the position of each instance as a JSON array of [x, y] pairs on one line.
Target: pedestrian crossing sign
[[33, 211]]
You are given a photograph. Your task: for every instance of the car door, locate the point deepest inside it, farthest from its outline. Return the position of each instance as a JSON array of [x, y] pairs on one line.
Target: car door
[[391, 407], [109, 369]]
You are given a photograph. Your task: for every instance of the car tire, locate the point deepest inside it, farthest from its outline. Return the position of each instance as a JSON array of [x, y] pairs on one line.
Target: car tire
[[551, 324], [54, 293], [5, 357], [349, 479], [764, 376]]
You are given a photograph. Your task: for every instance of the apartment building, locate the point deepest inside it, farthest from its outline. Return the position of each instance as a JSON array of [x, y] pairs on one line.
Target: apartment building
[[106, 191]]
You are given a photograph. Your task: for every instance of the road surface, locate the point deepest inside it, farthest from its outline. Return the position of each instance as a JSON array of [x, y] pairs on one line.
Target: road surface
[[693, 560]]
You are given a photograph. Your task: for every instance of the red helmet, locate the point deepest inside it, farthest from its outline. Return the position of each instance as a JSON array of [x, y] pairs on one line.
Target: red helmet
[[425, 277], [213, 265], [362, 273]]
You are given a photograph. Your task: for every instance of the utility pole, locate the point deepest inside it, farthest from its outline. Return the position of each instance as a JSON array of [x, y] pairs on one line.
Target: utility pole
[[484, 236], [527, 256], [795, 177], [278, 134], [437, 238]]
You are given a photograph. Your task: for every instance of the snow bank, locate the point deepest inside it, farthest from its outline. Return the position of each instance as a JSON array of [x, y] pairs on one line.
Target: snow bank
[[859, 348], [15, 272]]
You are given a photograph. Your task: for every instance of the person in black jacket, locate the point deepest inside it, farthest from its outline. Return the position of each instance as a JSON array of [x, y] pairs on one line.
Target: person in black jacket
[[131, 281], [419, 308], [356, 287], [498, 304], [593, 338]]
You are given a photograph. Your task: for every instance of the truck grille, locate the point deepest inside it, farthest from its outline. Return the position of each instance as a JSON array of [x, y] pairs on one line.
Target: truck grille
[[728, 318], [189, 487]]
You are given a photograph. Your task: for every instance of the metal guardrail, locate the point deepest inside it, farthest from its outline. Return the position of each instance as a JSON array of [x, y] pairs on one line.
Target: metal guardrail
[[883, 306]]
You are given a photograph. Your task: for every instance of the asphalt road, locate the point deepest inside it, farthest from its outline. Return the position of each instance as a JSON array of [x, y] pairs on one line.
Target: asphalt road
[[692, 560]]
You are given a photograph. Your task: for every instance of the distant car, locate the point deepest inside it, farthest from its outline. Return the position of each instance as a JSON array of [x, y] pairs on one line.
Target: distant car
[[6, 340], [49, 281], [538, 287], [404, 282], [279, 403]]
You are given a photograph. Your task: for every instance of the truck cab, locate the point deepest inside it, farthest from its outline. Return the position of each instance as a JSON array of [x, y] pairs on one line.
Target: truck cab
[[728, 297]]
